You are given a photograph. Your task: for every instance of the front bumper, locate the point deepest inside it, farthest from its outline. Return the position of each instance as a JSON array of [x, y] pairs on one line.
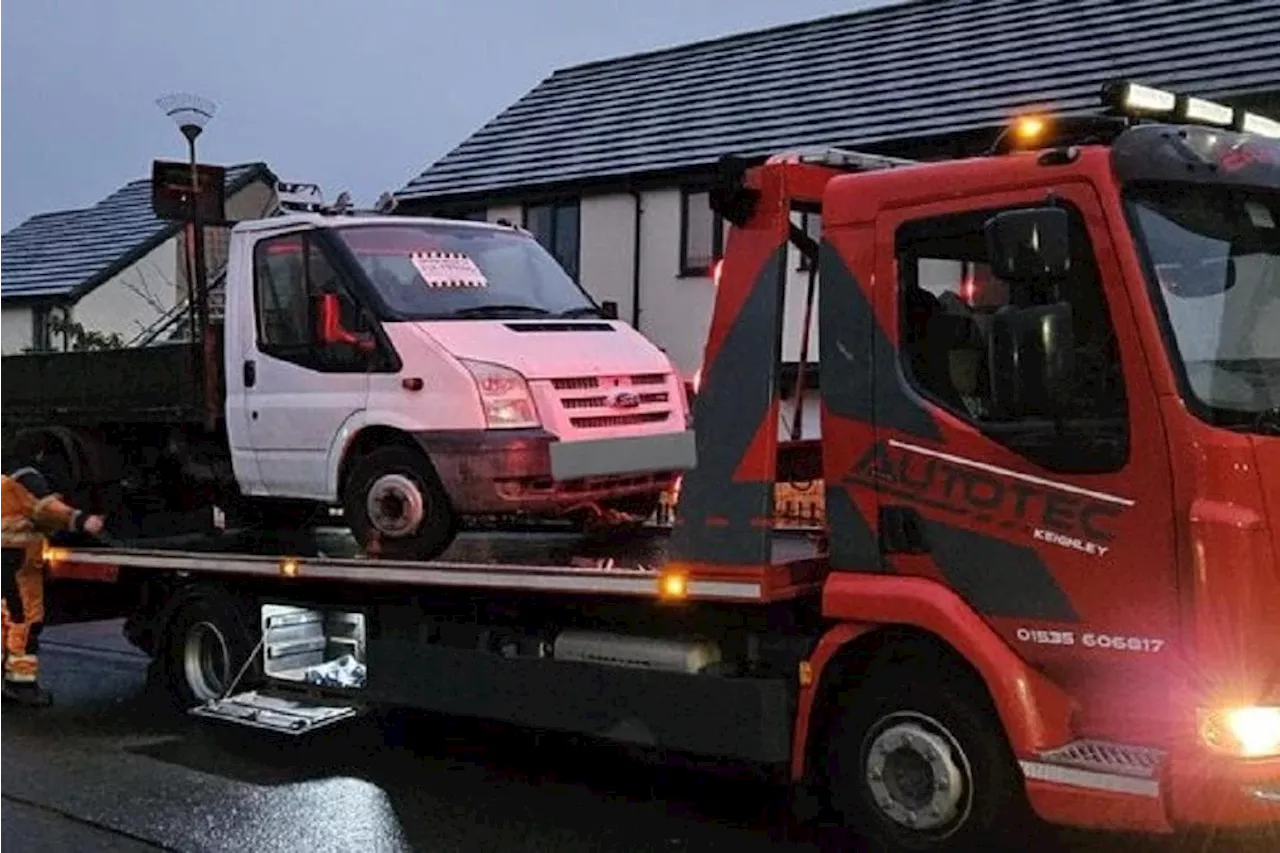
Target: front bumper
[[531, 471], [1223, 793], [1104, 785]]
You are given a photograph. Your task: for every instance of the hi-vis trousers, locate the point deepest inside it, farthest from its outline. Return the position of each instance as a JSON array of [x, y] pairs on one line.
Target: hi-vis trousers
[[22, 610]]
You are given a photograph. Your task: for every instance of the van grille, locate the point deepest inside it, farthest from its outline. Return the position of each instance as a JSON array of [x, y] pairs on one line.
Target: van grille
[[603, 421], [587, 399]]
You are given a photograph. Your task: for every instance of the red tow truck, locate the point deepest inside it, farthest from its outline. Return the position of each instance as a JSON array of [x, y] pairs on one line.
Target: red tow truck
[[1050, 444]]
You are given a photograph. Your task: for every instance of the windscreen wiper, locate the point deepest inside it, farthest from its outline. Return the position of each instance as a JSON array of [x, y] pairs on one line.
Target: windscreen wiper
[[1268, 421], [581, 311], [499, 310]]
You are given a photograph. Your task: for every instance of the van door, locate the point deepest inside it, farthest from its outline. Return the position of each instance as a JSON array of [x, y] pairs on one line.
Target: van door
[[1051, 517], [302, 386]]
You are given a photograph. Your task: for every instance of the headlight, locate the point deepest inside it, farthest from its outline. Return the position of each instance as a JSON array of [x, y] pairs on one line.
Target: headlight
[[504, 396], [1249, 732]]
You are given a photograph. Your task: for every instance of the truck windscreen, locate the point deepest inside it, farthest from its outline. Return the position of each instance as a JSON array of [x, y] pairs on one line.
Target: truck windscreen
[[1213, 253], [439, 272]]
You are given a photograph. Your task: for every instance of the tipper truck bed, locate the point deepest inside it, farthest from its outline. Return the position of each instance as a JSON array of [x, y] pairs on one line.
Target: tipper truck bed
[[109, 385]]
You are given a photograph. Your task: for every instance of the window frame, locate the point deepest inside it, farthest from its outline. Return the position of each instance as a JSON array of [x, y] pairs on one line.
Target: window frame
[[1059, 446], [555, 206], [687, 269], [332, 359], [41, 333]]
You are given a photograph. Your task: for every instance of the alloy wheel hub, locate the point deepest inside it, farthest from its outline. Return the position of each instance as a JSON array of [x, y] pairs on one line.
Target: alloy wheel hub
[[395, 505], [919, 778]]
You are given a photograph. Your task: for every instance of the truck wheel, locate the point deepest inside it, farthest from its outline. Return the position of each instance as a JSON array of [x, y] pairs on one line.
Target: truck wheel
[[395, 494], [918, 761], [206, 643]]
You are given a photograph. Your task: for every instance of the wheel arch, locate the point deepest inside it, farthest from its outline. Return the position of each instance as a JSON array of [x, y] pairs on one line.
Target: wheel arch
[[174, 596], [362, 441], [1033, 712], [66, 442], [355, 437]]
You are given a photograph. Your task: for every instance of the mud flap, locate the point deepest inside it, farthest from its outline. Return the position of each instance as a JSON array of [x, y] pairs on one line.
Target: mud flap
[[278, 712]]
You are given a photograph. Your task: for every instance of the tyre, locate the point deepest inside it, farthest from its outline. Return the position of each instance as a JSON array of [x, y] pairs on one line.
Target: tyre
[[206, 643], [918, 760], [394, 495]]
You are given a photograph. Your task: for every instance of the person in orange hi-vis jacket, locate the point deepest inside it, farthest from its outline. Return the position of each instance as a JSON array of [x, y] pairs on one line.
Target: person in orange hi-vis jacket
[[28, 512]]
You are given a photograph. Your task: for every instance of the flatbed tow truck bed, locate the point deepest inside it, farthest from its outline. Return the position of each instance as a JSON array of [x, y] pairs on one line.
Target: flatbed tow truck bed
[[557, 632], [567, 563]]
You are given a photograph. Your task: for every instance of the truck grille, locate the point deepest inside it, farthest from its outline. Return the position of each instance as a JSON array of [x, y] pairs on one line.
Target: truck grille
[[591, 402]]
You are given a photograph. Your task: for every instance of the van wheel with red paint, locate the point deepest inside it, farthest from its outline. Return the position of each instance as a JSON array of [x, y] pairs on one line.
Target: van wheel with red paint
[[394, 495], [918, 761]]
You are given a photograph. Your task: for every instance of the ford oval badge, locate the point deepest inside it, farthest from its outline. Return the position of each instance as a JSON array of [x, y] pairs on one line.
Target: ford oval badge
[[624, 400]]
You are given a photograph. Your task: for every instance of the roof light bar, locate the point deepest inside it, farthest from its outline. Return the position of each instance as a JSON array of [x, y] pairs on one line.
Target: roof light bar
[[1139, 101], [840, 158], [1261, 125], [1200, 111], [1136, 98]]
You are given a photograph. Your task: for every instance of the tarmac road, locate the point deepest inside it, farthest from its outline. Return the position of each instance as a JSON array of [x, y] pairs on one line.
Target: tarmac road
[[107, 769]]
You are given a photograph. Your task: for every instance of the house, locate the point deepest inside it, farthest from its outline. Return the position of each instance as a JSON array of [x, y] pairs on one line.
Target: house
[[608, 163], [113, 268]]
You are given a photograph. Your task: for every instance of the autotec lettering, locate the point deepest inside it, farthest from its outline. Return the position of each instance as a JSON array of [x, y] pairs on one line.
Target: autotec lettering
[[1053, 516]]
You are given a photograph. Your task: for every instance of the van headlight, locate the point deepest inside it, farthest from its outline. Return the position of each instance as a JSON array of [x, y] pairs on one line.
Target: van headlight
[[1247, 732], [504, 396]]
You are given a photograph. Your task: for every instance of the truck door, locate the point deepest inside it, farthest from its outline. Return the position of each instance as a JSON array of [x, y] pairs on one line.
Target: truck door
[[302, 383], [1050, 516]]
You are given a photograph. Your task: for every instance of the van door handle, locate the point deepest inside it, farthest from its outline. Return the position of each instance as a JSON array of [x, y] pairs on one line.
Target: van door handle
[[902, 531], [250, 374]]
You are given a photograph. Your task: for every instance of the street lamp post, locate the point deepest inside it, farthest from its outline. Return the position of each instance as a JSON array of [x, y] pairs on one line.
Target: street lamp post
[[191, 113]]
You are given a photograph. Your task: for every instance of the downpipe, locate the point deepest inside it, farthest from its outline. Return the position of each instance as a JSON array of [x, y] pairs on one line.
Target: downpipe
[[638, 201]]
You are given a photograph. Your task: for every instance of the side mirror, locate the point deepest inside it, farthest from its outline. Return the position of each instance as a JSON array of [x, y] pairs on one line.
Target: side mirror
[[1032, 354], [1029, 245], [609, 309], [331, 331]]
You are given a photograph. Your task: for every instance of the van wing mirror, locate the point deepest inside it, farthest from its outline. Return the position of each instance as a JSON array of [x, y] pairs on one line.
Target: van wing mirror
[[609, 309], [1030, 245], [1033, 360], [331, 332]]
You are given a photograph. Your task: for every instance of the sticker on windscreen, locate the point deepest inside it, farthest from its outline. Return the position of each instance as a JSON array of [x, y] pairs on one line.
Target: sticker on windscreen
[[448, 269]]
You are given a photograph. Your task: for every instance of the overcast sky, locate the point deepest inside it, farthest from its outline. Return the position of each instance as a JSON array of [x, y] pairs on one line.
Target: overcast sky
[[357, 94]]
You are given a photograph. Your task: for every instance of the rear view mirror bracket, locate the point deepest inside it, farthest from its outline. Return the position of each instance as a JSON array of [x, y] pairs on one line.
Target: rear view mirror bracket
[[729, 196], [1033, 365]]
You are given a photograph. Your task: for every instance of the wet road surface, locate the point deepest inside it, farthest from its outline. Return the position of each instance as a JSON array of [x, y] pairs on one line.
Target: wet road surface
[[108, 768]]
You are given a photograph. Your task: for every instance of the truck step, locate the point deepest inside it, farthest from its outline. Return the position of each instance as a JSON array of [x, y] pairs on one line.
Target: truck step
[[288, 715]]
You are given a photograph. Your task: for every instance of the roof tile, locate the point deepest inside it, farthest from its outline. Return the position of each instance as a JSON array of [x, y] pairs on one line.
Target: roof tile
[[910, 70], [53, 254]]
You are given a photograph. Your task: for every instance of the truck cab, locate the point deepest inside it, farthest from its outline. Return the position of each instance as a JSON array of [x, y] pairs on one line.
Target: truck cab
[[1050, 399], [416, 371]]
